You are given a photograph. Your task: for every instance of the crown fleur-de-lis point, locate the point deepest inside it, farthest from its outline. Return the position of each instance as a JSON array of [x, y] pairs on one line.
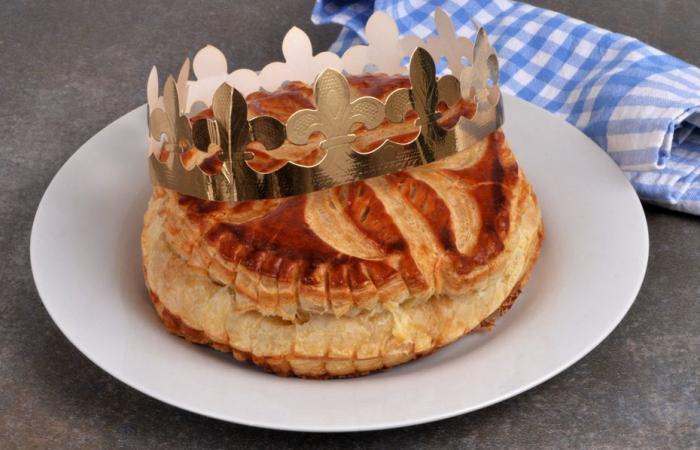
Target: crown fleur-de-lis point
[[447, 43], [335, 114], [385, 47], [167, 120], [424, 95], [474, 80], [300, 62]]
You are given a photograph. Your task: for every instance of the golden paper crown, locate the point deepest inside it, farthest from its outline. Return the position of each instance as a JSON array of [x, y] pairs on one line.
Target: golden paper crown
[[209, 155]]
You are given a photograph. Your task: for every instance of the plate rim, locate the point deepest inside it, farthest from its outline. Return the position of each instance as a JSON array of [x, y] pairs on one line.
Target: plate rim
[[387, 424]]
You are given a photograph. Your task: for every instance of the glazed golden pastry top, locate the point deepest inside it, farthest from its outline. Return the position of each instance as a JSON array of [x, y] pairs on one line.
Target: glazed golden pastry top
[[406, 236]]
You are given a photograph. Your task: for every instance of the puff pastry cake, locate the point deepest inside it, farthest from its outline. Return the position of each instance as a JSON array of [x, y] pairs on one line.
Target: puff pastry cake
[[351, 279]]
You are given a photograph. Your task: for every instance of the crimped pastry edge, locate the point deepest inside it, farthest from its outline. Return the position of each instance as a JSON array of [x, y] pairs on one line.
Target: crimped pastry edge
[[177, 327]]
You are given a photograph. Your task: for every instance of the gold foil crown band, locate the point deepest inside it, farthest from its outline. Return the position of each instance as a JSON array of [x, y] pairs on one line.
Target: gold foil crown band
[[202, 142]]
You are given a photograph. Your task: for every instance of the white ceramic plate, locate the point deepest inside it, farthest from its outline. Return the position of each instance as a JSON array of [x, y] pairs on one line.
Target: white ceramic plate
[[87, 267]]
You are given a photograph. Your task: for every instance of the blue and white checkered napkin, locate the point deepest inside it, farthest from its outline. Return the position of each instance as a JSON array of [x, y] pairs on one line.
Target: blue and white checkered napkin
[[639, 104]]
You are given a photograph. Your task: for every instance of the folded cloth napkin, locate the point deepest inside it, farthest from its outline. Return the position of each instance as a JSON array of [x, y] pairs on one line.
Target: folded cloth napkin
[[639, 104]]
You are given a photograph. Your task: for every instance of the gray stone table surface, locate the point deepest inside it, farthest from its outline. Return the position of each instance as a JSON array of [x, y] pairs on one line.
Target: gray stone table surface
[[67, 69]]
